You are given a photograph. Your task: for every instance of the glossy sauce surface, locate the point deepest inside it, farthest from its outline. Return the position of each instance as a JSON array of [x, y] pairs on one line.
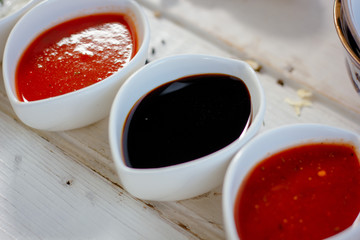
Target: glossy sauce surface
[[185, 119], [306, 192], [75, 54]]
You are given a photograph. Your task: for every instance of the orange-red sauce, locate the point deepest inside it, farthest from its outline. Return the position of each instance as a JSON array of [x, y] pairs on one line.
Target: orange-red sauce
[[306, 192], [75, 54]]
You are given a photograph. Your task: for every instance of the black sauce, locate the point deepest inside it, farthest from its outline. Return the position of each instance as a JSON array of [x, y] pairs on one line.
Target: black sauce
[[185, 119]]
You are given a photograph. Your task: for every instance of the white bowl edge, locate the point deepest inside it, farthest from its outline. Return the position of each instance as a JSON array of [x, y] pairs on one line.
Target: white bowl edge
[[248, 157]]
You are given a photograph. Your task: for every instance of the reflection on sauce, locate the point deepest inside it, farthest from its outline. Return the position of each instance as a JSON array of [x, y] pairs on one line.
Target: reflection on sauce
[[305, 192], [185, 119], [73, 55]]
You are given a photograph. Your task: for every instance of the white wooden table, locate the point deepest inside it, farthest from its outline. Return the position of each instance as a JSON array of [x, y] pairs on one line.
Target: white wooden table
[[63, 185]]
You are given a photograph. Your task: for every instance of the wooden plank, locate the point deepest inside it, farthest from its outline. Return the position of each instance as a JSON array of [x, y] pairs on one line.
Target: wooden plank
[[45, 194], [296, 38], [63, 184]]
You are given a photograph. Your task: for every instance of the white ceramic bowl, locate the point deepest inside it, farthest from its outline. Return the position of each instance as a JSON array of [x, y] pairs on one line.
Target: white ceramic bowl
[[7, 23], [196, 177], [271, 142], [87, 105]]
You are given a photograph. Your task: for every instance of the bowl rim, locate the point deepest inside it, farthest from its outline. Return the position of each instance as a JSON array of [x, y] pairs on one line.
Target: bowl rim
[[338, 23], [352, 18], [229, 182], [255, 125], [110, 80]]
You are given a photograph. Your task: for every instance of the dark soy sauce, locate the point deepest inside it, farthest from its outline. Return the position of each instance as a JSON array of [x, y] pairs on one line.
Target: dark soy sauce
[[185, 119]]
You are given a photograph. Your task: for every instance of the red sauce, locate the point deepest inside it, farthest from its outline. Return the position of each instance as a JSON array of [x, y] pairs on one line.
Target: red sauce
[[306, 192], [75, 54]]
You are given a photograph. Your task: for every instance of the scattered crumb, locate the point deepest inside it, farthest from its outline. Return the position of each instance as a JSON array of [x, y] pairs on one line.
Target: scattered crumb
[[157, 14], [298, 105], [304, 101], [280, 82], [303, 93], [255, 65], [289, 68], [69, 182]]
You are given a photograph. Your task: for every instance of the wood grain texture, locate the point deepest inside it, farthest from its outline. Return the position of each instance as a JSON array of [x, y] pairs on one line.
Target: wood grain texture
[[296, 38], [63, 185]]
